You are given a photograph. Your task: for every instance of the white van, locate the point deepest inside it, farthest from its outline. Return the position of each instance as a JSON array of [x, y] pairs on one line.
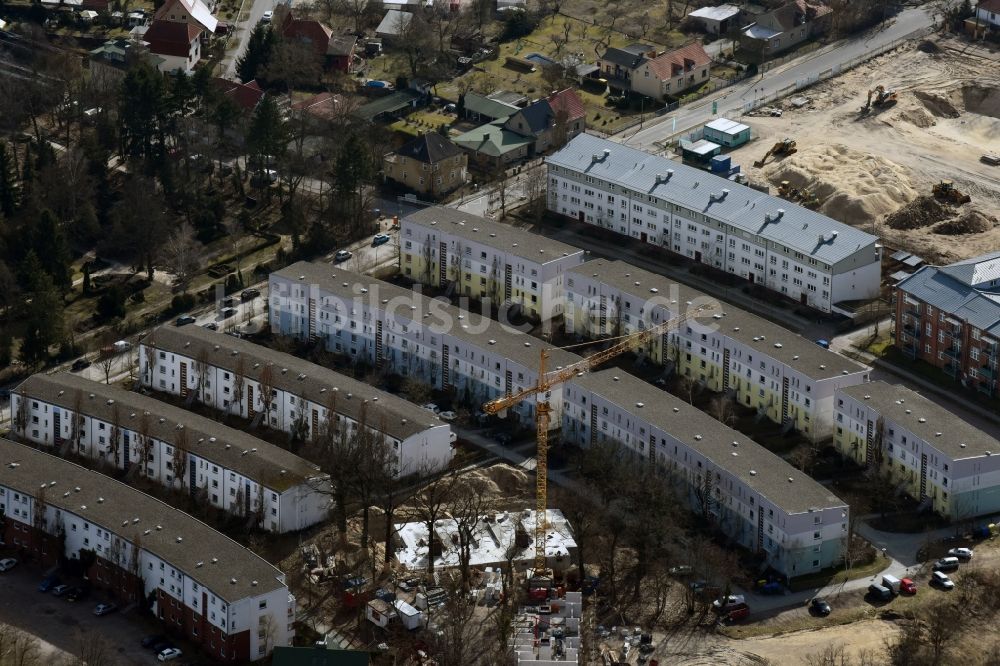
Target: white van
[[942, 580]]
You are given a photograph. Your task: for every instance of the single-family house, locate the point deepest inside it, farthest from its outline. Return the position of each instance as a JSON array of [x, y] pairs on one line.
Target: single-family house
[[194, 12], [717, 20], [570, 114], [673, 72], [246, 96], [393, 24], [480, 108], [430, 164], [782, 28], [110, 62], [325, 106], [177, 43], [492, 145], [988, 11], [335, 51], [618, 64]]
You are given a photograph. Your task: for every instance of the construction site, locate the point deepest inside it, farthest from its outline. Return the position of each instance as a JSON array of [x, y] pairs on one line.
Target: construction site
[[872, 147]]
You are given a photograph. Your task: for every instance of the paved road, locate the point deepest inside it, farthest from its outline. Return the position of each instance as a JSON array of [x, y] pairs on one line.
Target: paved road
[[242, 30], [732, 101]]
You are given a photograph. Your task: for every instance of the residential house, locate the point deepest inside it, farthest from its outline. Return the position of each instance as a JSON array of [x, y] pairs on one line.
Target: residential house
[[570, 114], [485, 260], [333, 51], [753, 496], [492, 146], [671, 73], [784, 27], [393, 105], [430, 165], [480, 108], [194, 12], [323, 107], [177, 44], [938, 459], [394, 24], [401, 331], [719, 20], [110, 62], [988, 12], [794, 251], [617, 65], [215, 593], [246, 96], [221, 467], [949, 316], [788, 379], [235, 375]]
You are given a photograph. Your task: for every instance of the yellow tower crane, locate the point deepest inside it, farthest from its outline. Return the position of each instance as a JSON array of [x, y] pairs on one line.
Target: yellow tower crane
[[548, 380]]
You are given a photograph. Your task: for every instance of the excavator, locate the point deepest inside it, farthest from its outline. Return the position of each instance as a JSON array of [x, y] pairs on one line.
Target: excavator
[[784, 147], [794, 194], [945, 190], [880, 98]]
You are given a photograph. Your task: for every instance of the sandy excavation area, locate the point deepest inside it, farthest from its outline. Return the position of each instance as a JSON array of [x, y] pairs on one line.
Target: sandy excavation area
[[863, 168]]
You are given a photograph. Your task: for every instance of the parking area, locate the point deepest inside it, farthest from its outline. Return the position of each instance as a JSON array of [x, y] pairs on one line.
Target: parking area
[[64, 625]]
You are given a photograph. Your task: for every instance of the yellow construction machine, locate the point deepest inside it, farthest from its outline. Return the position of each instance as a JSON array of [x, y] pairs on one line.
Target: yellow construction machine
[[945, 190], [880, 98], [784, 147]]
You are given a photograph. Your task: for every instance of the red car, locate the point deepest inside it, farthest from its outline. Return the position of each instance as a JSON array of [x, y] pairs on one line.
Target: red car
[[907, 586], [738, 612]]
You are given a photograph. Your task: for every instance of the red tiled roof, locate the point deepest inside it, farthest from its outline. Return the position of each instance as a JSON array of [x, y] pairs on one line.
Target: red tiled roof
[[171, 38], [323, 105], [312, 32], [569, 102], [663, 66], [990, 5], [246, 95]]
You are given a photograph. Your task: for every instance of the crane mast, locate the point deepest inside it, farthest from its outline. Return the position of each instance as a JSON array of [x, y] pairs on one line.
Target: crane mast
[[547, 380]]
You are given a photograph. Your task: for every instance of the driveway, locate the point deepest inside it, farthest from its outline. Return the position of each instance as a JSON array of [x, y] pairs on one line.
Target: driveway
[[64, 625]]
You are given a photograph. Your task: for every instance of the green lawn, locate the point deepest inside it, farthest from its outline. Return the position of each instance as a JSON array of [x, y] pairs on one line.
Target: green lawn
[[420, 122]]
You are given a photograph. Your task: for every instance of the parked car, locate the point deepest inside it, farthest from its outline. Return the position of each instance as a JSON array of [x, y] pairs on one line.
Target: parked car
[[249, 294], [104, 609], [263, 178], [159, 646], [169, 654], [48, 583], [7, 563], [773, 587], [184, 320], [941, 579], [728, 602], [946, 564], [737, 612], [819, 606], [60, 590], [964, 554], [431, 407], [447, 416], [879, 592], [907, 586], [381, 239], [78, 593], [681, 570], [79, 364], [212, 326], [228, 302], [342, 255], [267, 16], [228, 312], [122, 346], [155, 639]]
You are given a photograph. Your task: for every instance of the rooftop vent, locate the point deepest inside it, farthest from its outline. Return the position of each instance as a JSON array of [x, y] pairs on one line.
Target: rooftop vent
[[922, 420], [753, 472], [180, 539], [697, 438], [215, 560]]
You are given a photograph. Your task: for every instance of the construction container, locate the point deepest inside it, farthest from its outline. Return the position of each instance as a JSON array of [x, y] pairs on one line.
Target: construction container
[[720, 163]]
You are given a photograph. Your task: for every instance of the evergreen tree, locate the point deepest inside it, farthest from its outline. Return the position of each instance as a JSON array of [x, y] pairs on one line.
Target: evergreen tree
[[43, 317], [352, 172], [143, 109], [260, 46], [48, 241], [267, 134], [8, 181]]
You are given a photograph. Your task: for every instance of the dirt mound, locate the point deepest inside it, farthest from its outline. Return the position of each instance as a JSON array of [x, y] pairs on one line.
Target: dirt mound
[[982, 100], [971, 221], [937, 104], [928, 47], [497, 481], [918, 116], [852, 187], [921, 212]]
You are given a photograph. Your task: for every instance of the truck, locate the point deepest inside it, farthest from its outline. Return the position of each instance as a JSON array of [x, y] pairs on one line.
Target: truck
[[892, 583]]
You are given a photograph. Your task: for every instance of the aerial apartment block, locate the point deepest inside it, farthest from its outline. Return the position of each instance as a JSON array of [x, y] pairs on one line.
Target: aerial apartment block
[[751, 494], [786, 377], [808, 257], [949, 316], [227, 468], [228, 373], [199, 583], [388, 326], [940, 460], [486, 260]]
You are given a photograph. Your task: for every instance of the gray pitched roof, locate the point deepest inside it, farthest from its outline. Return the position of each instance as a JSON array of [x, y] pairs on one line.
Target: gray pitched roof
[[108, 503], [758, 468], [443, 318], [798, 228], [485, 106], [538, 116], [976, 271], [430, 147], [521, 243], [630, 56], [926, 419], [400, 418], [938, 288], [755, 332], [233, 449]]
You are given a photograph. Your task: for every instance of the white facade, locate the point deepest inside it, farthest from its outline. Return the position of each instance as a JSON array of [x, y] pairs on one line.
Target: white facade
[[224, 372], [286, 494], [231, 589], [788, 378], [485, 259], [791, 250], [384, 325], [756, 498]]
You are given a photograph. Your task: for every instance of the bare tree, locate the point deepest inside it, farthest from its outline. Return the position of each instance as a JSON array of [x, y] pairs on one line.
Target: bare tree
[[455, 620], [430, 503], [467, 508], [182, 254]]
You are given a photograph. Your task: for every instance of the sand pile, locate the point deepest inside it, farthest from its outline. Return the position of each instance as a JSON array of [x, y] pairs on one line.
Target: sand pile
[[970, 221], [852, 187], [938, 105], [982, 100], [921, 212], [918, 116], [497, 481]]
